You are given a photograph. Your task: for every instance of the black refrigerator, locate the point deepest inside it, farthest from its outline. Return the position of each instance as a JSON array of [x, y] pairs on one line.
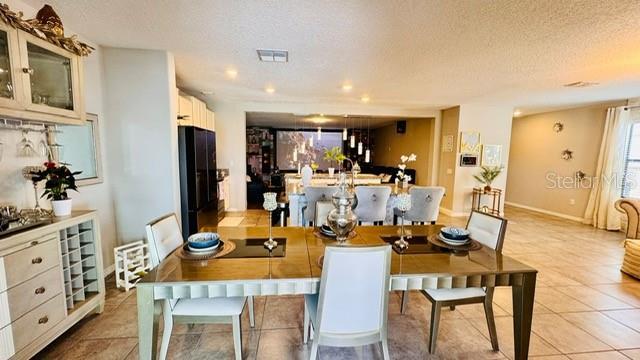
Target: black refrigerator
[[198, 180]]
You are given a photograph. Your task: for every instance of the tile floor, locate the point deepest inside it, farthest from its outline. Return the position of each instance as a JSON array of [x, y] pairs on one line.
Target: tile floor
[[585, 309]]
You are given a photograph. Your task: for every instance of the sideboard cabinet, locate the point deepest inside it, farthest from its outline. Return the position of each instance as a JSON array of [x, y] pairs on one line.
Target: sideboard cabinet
[[50, 278], [38, 80]]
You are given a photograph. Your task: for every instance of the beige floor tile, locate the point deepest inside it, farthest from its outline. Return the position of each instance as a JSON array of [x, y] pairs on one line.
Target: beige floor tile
[[604, 328], [283, 312], [593, 298], [550, 357], [626, 292], [559, 302], [503, 298], [565, 336], [631, 318], [607, 355], [220, 346], [282, 344], [504, 327], [100, 349], [633, 354], [458, 339], [477, 311]]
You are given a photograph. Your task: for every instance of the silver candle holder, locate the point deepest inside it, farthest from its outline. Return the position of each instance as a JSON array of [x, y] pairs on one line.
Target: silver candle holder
[[403, 203], [270, 204]]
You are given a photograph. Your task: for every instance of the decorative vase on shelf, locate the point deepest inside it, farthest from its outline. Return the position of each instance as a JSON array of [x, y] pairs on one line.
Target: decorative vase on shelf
[[331, 171], [61, 207]]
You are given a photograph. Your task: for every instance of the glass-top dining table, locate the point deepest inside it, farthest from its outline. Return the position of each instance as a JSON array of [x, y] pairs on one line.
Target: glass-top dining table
[[297, 271]]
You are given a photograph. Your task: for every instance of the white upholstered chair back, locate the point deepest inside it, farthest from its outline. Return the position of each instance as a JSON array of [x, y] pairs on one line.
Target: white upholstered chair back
[[322, 212], [314, 194], [425, 203], [307, 174], [163, 236], [354, 290], [487, 229], [372, 202]]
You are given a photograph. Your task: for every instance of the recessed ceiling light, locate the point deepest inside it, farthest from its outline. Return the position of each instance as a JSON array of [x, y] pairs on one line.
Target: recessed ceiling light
[[270, 89], [232, 73], [347, 87], [365, 98], [271, 55], [581, 84], [517, 113]]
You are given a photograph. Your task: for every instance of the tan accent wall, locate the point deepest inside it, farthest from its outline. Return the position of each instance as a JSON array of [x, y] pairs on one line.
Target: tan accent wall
[[535, 162], [418, 139], [447, 166]]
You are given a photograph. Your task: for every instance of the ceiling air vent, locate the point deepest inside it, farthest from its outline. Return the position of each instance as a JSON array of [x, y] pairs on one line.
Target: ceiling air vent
[[269, 55], [580, 84]]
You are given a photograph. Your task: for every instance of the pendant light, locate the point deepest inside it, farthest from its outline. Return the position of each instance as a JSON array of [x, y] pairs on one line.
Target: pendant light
[[295, 148], [311, 141], [352, 140], [295, 153], [319, 133], [360, 142], [367, 153], [344, 130]]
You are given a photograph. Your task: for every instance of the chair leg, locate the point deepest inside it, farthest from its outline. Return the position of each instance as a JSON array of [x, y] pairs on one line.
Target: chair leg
[[252, 319], [433, 223], [491, 322], [385, 349], [452, 307], [314, 349], [237, 336], [395, 220], [166, 331], [435, 322], [404, 302], [305, 325]]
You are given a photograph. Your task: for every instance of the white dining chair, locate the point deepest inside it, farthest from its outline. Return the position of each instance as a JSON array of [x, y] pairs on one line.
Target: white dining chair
[[322, 212], [372, 203], [425, 204], [312, 195], [351, 307], [164, 236], [489, 230]]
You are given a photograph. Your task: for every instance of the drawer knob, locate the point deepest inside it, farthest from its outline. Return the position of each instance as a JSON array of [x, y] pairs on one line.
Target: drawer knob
[[37, 260], [40, 290], [34, 243], [27, 71], [43, 320]]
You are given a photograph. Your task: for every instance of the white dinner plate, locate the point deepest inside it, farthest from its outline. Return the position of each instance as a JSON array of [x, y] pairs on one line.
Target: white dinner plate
[[453, 242], [204, 250]]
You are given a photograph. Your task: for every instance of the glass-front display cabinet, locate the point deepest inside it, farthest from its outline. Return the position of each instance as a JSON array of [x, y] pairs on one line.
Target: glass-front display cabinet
[[38, 80]]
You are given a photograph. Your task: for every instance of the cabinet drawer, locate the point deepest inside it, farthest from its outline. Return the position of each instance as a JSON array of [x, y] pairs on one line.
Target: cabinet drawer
[[32, 293], [37, 322], [27, 263]]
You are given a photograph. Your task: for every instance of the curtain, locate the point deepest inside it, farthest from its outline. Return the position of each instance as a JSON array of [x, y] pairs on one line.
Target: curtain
[[607, 185]]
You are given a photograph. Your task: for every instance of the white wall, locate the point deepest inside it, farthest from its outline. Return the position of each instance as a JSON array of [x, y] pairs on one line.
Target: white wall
[[494, 124], [15, 190], [140, 100], [231, 133]]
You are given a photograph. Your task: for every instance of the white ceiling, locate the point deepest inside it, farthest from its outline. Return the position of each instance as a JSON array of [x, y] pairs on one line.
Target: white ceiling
[[312, 121], [408, 54]]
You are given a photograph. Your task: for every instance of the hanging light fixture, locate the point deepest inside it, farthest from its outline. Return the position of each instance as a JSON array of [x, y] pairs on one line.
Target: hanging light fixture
[[344, 130], [295, 153], [360, 138], [367, 153], [319, 133], [352, 142]]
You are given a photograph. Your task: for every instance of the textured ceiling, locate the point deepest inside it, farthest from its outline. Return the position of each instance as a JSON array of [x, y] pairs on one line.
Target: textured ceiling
[[407, 54]]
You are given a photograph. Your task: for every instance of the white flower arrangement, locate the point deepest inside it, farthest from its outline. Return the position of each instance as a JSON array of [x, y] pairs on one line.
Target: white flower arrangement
[[403, 165]]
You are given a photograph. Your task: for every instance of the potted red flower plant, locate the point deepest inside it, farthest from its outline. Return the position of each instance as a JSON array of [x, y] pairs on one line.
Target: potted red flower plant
[[58, 179]]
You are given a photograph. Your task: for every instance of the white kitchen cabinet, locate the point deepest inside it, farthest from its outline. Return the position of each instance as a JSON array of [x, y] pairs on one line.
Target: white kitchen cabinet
[[185, 110], [211, 121], [193, 112]]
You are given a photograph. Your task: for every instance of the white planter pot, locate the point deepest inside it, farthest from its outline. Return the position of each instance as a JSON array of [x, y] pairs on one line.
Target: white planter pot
[[61, 207], [331, 171]]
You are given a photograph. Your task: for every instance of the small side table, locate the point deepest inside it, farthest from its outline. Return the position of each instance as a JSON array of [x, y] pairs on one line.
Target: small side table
[[496, 198]]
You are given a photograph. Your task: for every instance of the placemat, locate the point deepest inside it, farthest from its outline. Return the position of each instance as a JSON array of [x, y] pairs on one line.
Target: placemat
[[471, 246], [226, 247], [418, 244]]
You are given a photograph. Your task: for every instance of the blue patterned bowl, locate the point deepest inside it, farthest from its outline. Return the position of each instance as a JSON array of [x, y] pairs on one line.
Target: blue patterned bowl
[[203, 240], [454, 233]]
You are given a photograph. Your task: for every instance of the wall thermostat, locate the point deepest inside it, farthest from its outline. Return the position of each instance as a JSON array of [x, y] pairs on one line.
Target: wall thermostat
[[468, 160]]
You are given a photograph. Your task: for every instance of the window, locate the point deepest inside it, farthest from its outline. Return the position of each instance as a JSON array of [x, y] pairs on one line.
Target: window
[[631, 183]]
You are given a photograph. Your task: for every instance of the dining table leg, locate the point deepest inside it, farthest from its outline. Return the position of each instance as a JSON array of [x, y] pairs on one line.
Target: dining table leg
[[523, 299], [148, 320]]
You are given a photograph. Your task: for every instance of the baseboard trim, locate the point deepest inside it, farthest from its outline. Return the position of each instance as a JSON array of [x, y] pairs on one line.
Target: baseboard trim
[[546, 212], [449, 212], [109, 270]]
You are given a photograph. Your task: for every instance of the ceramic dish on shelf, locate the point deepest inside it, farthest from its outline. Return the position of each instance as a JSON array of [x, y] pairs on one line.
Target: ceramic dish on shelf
[[204, 240]]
